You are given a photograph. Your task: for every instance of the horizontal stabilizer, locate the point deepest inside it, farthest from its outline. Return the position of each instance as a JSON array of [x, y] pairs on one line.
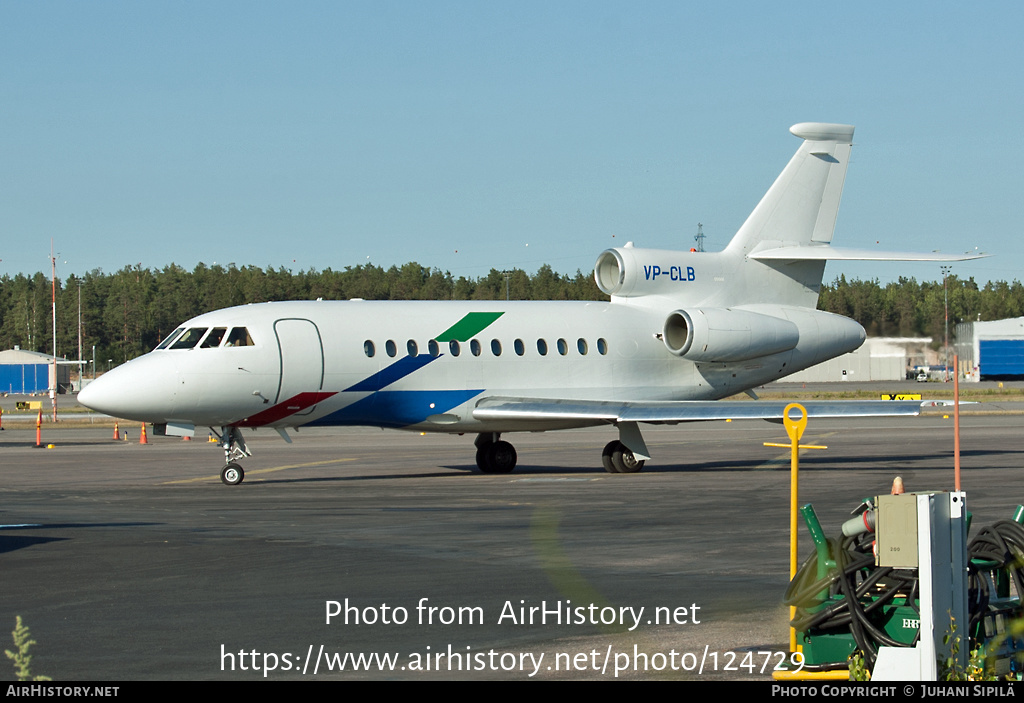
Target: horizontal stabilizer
[[830, 253], [531, 409]]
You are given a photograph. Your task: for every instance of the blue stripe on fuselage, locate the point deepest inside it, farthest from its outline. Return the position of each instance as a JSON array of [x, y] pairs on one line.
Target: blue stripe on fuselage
[[397, 408], [386, 376]]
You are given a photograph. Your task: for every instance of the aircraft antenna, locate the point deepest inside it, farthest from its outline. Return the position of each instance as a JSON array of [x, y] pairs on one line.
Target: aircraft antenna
[[700, 237]]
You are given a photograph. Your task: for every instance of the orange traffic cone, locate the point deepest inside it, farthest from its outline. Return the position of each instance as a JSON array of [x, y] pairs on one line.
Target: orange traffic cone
[[39, 429], [142, 435], [186, 438], [117, 432]]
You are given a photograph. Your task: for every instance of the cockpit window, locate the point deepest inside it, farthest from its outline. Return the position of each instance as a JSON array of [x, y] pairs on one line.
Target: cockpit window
[[170, 338], [239, 337], [190, 338], [214, 338]]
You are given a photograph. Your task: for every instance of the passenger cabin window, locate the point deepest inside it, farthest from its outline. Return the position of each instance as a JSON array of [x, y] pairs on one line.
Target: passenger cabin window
[[170, 338], [239, 337], [542, 347], [214, 339], [190, 338], [433, 348], [519, 347], [390, 347], [369, 349], [602, 346], [474, 346], [496, 347], [563, 347], [581, 346], [454, 348], [413, 349]]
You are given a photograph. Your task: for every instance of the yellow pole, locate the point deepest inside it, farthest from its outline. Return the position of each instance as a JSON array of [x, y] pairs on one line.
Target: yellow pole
[[795, 429]]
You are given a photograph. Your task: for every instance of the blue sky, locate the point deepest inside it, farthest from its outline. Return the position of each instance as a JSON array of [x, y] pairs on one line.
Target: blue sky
[[468, 136]]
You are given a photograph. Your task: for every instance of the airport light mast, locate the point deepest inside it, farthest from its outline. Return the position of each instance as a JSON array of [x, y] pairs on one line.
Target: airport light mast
[[945, 297]]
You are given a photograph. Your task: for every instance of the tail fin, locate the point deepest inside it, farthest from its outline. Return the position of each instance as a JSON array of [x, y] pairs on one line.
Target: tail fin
[[801, 206], [776, 257]]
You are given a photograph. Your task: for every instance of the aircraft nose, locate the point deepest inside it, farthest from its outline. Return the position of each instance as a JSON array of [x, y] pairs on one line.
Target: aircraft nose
[[142, 389]]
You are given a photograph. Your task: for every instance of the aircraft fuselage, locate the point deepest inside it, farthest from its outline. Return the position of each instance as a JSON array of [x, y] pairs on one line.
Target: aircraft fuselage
[[424, 365], [680, 329]]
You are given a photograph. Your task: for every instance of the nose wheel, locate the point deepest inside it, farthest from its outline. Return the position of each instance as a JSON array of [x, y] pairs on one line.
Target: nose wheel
[[232, 474]]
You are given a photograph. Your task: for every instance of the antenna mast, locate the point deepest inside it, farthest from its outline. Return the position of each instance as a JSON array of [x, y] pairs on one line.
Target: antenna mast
[[700, 237]]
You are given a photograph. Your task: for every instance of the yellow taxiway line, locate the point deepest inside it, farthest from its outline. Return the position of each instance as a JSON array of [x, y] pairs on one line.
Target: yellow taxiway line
[[261, 471]]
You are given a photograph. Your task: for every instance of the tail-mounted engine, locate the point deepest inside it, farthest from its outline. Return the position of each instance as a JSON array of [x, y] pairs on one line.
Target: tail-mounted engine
[[705, 333], [723, 334], [627, 271]]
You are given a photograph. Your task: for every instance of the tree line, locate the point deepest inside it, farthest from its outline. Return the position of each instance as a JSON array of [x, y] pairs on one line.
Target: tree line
[[127, 313], [908, 308]]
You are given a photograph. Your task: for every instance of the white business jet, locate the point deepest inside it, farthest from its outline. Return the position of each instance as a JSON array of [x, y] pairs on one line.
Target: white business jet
[[682, 330]]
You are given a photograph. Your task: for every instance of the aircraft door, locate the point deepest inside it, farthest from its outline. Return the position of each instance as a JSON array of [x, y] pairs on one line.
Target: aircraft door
[[302, 359]]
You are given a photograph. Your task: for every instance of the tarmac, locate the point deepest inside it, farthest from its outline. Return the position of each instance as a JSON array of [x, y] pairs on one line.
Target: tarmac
[[134, 562]]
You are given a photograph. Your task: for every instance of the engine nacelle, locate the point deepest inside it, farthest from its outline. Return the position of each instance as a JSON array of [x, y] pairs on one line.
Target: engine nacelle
[[628, 271], [723, 334]]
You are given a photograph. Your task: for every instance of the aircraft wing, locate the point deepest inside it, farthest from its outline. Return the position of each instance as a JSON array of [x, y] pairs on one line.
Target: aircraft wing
[[533, 409]]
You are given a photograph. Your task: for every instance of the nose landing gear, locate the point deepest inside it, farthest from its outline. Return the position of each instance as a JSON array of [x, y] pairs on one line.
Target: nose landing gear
[[233, 444]]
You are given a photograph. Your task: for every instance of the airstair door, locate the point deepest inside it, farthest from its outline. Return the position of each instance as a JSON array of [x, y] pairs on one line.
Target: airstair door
[[302, 360]]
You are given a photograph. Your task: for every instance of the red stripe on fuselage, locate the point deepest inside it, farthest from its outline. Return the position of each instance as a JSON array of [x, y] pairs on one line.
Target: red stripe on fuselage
[[282, 410]]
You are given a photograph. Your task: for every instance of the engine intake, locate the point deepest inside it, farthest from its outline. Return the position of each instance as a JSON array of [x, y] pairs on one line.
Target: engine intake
[[628, 271]]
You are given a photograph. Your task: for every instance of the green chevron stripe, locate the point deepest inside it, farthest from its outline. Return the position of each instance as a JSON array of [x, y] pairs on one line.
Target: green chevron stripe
[[469, 326]]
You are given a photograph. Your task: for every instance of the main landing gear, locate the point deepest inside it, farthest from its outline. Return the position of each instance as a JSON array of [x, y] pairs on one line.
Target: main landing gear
[[495, 456], [233, 444], [617, 459]]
